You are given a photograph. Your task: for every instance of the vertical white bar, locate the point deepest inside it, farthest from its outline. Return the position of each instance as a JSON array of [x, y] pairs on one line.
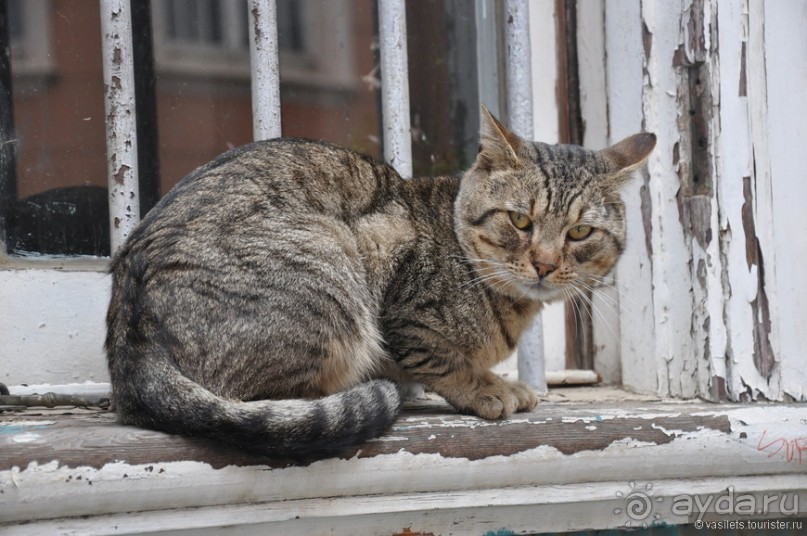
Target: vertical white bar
[[531, 367], [640, 366], [487, 60], [518, 67], [121, 130], [594, 109], [544, 64], [263, 53], [395, 85]]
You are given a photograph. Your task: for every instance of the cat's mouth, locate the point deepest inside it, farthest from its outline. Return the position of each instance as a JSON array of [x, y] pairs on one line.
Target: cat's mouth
[[542, 290]]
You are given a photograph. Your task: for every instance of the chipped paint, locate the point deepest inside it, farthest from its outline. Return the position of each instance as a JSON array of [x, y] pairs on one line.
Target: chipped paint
[[25, 437], [121, 130], [395, 86], [702, 302], [761, 444], [569, 434]]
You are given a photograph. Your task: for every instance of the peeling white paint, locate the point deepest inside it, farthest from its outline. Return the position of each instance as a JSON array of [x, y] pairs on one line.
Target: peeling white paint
[[764, 444], [687, 318], [623, 44], [121, 115], [26, 437]]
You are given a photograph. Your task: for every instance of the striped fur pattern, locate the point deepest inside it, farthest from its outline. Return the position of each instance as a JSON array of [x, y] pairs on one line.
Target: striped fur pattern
[[270, 297]]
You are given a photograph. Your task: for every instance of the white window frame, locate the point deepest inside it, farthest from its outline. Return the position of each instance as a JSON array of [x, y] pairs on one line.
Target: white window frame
[[40, 294], [541, 488]]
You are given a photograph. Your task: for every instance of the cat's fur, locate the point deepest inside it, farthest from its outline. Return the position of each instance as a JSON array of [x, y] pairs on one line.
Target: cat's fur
[[259, 299]]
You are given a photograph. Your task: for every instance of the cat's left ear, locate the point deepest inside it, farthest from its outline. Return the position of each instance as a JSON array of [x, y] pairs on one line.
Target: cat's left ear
[[630, 153], [498, 147]]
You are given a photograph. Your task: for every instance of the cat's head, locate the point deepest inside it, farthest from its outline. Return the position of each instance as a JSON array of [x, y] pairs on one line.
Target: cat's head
[[539, 220]]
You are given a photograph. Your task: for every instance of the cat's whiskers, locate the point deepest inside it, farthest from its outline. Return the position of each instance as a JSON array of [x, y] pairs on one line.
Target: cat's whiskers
[[593, 309], [620, 292], [495, 274], [610, 301], [489, 275], [569, 298], [487, 278]]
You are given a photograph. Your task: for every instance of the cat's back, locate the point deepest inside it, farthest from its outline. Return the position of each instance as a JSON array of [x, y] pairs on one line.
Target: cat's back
[[288, 174]]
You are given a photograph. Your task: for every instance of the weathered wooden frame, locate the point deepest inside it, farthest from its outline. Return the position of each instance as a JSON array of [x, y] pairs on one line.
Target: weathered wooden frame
[[568, 466]]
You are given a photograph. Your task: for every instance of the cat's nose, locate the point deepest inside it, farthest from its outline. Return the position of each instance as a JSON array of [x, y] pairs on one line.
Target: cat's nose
[[544, 269]]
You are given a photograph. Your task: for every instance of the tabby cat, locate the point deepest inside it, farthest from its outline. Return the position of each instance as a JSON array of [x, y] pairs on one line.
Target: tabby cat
[[269, 298]]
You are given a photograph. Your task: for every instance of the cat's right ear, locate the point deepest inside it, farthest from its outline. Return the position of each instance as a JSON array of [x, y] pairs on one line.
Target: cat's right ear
[[498, 147], [630, 153]]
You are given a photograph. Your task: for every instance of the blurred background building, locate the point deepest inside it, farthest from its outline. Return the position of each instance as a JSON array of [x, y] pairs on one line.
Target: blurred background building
[[193, 101]]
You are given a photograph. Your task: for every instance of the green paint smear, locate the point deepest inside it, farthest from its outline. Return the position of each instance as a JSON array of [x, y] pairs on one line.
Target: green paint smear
[[500, 532]]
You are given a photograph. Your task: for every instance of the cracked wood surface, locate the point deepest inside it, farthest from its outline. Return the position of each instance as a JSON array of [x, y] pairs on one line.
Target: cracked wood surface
[[94, 439], [709, 302], [82, 472]]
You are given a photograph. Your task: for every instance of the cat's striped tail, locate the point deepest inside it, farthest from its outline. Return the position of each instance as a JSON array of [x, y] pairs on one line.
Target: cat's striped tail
[[156, 395]]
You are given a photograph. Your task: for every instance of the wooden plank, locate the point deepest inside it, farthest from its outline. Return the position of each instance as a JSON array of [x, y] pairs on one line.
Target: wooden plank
[[736, 192], [624, 68], [786, 69], [95, 440], [671, 270], [594, 110], [54, 467], [734, 173], [695, 62], [524, 510]]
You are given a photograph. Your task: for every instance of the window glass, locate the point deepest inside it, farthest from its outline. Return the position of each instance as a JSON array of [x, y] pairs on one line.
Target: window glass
[[329, 88], [443, 86], [202, 70], [56, 197], [193, 73]]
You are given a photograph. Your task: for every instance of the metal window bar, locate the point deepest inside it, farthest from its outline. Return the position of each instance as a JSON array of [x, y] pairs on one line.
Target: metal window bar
[[121, 122], [265, 65], [531, 367], [116, 25], [397, 136]]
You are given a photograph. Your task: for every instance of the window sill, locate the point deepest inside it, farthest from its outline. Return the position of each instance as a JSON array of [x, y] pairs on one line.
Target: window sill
[[571, 465]]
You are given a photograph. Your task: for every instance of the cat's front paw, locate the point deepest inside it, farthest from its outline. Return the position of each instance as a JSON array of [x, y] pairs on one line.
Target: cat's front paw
[[502, 399], [527, 398]]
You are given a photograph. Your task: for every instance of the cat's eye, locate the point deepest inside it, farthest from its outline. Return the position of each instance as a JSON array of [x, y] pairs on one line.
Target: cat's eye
[[579, 232], [520, 220]]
